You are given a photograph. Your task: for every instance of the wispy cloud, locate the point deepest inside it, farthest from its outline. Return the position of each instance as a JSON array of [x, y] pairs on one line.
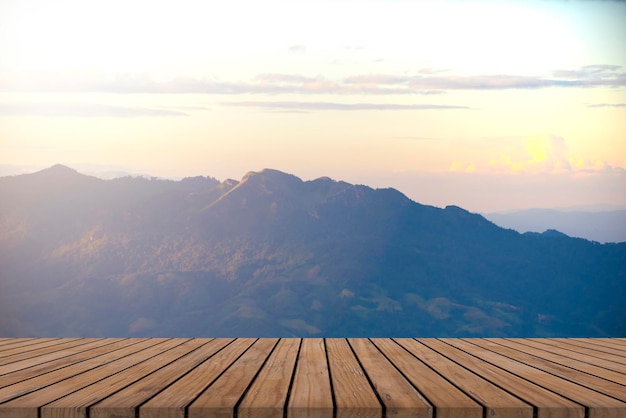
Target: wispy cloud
[[607, 105], [588, 71], [611, 78], [430, 70], [310, 106], [426, 81], [183, 108], [81, 110], [354, 48], [286, 78], [296, 49]]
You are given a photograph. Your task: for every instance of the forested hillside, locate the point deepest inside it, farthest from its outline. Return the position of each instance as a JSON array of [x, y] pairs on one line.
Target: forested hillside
[[272, 255]]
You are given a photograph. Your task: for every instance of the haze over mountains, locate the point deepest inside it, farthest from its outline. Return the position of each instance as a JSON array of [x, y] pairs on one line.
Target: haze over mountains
[[272, 255], [599, 225]]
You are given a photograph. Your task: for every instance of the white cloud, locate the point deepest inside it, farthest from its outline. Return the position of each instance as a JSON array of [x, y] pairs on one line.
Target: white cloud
[[311, 106], [81, 110], [426, 81], [297, 49], [596, 105]]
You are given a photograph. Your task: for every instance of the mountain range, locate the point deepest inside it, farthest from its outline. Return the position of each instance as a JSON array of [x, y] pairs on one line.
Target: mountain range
[[272, 255], [599, 225]]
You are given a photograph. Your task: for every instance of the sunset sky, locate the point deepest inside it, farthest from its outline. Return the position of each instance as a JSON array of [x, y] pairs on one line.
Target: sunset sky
[[486, 105]]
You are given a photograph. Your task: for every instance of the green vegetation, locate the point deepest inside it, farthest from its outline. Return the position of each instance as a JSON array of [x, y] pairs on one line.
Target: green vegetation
[[275, 256]]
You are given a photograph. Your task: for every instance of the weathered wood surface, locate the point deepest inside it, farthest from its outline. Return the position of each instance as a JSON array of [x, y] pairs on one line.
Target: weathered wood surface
[[312, 378]]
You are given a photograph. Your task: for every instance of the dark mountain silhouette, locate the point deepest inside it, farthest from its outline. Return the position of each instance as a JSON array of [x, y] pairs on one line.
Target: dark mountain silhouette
[[272, 255]]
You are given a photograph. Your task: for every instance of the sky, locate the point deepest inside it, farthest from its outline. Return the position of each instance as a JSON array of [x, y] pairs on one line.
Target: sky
[[490, 106]]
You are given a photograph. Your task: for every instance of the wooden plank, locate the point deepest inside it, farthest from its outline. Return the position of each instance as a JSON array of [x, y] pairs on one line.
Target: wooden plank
[[354, 397], [8, 353], [566, 361], [124, 403], [24, 343], [400, 398], [498, 403], [600, 349], [357, 378], [28, 370], [220, 399], [311, 395], [75, 404], [65, 345], [548, 404], [599, 405], [267, 395], [172, 401], [544, 344], [619, 343], [564, 345], [9, 341], [55, 355], [29, 404], [448, 401], [38, 382], [592, 382]]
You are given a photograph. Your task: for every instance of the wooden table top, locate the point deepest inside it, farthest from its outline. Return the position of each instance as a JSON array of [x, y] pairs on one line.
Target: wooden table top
[[312, 378]]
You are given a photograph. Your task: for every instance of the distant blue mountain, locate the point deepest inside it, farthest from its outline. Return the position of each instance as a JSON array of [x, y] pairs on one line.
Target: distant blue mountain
[[272, 255], [602, 226]]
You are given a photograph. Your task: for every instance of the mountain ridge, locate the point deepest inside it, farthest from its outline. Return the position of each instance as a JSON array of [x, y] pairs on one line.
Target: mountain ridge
[[595, 225], [272, 255]]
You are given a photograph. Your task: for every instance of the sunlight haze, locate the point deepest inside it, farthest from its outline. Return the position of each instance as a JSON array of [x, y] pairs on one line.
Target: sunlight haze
[[486, 105]]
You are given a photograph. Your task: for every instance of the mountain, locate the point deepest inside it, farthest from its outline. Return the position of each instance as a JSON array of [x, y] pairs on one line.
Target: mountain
[[272, 255], [602, 226]]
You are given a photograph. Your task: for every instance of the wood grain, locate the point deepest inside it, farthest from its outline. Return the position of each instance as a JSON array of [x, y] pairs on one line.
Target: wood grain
[[325, 378], [605, 348], [47, 379], [400, 398], [608, 342], [565, 345], [5, 342], [599, 405], [267, 396], [124, 403], [31, 347], [582, 379], [221, 397], [447, 399], [354, 396], [566, 361], [23, 343], [25, 405], [172, 401], [498, 402], [75, 404], [311, 393], [548, 404], [596, 358], [63, 345], [27, 369]]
